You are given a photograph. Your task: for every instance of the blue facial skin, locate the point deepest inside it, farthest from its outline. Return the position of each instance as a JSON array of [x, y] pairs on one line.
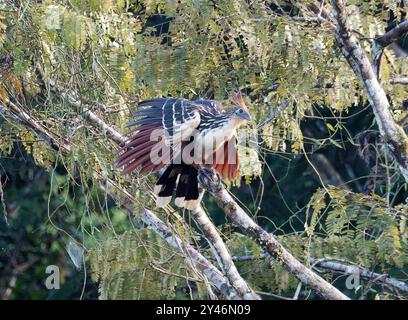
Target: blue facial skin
[[243, 114]]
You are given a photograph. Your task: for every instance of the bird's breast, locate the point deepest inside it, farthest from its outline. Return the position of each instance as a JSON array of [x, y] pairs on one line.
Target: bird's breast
[[208, 141]]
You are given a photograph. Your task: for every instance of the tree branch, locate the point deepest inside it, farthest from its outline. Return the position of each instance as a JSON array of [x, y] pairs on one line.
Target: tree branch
[[97, 122], [338, 265], [239, 217], [391, 132], [393, 35], [272, 115], [19, 115], [347, 267], [402, 80], [295, 267], [209, 229]]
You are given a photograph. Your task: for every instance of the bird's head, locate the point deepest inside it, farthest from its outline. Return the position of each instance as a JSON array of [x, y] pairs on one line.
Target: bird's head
[[240, 111], [241, 114]]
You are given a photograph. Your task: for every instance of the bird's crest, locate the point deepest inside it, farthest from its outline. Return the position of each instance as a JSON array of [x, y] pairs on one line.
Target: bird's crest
[[239, 101]]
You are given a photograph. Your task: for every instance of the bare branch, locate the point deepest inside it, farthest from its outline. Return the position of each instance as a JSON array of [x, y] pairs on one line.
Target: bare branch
[[393, 35], [391, 132], [403, 80], [342, 266]]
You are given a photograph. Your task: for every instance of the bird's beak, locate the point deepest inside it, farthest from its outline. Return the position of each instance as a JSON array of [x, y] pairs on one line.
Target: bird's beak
[[246, 116]]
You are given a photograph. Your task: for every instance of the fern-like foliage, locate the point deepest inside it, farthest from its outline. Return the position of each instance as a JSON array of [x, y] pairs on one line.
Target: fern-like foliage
[[377, 230], [140, 265]]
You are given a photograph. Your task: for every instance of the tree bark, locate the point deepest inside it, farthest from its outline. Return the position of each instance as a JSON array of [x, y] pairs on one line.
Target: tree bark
[[393, 35], [402, 80]]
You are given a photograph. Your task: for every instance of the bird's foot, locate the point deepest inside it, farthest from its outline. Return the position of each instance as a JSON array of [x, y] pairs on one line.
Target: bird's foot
[[209, 179]]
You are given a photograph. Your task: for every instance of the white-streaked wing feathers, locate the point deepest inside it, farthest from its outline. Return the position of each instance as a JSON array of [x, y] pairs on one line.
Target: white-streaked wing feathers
[[180, 119], [211, 104]]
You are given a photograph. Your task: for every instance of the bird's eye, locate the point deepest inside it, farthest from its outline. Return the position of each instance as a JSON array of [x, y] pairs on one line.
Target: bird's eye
[[240, 111]]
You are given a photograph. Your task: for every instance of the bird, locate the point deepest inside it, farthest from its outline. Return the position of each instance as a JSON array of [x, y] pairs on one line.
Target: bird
[[182, 137]]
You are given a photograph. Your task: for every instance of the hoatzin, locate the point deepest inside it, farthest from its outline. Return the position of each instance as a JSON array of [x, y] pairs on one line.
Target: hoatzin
[[183, 136]]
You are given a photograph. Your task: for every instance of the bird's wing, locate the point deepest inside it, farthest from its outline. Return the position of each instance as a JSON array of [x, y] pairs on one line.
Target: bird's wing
[[175, 120], [179, 117], [211, 104]]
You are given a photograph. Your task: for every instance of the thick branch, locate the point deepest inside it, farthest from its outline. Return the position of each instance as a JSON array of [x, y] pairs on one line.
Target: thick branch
[[392, 133], [339, 266], [210, 231], [227, 263], [393, 35], [267, 241]]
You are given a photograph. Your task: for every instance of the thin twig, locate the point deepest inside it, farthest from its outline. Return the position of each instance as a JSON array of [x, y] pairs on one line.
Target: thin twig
[[274, 113]]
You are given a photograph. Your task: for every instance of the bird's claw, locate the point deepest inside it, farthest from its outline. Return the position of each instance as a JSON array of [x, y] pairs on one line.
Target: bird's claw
[[209, 179]]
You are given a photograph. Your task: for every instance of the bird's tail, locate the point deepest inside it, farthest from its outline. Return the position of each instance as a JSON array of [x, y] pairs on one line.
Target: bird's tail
[[183, 179]]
